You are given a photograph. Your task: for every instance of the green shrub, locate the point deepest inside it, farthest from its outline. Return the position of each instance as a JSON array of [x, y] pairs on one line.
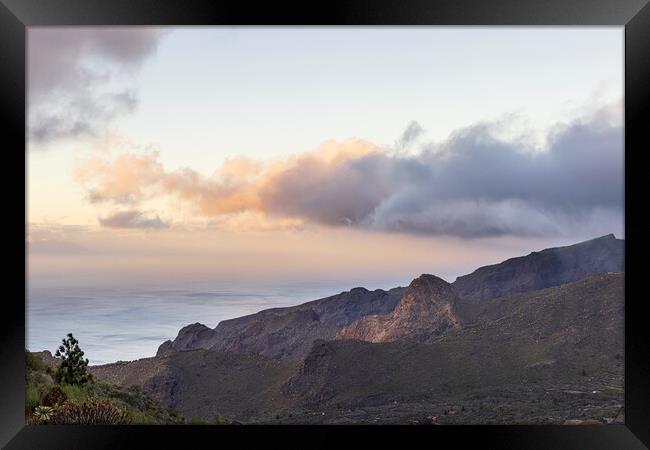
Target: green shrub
[[34, 393], [34, 363], [40, 378], [198, 421], [77, 393], [141, 418], [32, 397], [103, 389], [55, 396], [218, 419]]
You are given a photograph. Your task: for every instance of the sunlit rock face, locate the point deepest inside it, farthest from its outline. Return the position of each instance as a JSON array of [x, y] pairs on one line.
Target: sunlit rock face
[[426, 309]]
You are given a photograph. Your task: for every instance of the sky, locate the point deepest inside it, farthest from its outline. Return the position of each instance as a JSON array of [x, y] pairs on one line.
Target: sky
[[364, 153]]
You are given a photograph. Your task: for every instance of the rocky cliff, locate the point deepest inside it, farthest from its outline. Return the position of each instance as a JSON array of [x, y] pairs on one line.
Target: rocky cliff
[[426, 309]]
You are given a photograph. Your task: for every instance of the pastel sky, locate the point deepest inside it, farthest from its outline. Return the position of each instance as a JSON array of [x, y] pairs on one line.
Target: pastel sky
[[369, 153]]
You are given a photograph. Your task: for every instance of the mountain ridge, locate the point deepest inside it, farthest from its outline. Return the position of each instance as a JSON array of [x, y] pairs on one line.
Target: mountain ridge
[[286, 332], [545, 268], [289, 332]]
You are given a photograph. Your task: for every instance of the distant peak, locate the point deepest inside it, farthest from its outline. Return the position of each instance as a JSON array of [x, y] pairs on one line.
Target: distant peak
[[358, 290], [427, 278], [607, 237], [193, 327]]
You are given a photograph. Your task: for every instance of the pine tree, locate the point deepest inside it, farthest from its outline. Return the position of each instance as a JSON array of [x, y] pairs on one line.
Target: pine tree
[[73, 367]]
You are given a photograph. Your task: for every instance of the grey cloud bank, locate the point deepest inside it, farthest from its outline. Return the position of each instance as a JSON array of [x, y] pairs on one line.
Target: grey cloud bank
[[74, 74], [473, 185], [132, 219]]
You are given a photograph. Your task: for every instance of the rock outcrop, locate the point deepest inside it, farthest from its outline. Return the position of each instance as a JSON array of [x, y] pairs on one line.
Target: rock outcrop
[[425, 310], [191, 336], [48, 359], [547, 268]]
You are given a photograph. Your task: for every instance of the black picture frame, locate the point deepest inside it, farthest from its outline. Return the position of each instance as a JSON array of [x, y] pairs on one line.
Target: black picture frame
[[634, 15]]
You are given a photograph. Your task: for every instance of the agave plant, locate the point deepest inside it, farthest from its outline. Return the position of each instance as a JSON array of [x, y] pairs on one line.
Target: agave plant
[[43, 414]]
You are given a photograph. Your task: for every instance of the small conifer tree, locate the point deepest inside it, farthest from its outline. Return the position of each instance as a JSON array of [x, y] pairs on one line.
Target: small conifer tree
[[73, 367]]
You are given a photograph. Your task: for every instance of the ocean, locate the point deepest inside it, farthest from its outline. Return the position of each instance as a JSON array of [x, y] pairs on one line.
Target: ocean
[[128, 322]]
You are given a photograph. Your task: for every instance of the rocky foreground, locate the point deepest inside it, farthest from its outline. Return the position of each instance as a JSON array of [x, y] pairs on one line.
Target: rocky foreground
[[535, 339]]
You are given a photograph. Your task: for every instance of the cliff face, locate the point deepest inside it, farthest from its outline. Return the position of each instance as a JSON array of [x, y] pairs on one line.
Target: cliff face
[[191, 336], [286, 332], [539, 270], [426, 309]]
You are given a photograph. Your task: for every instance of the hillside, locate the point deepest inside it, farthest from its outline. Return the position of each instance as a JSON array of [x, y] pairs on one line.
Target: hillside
[[546, 356], [200, 383], [539, 270], [103, 402]]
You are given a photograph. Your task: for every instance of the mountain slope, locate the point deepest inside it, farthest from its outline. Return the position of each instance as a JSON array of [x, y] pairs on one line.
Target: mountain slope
[[545, 356], [426, 309], [200, 383], [286, 332], [539, 270]]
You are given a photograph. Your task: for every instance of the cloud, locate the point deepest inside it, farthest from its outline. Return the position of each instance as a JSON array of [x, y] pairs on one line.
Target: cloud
[[123, 180], [245, 185], [474, 184], [132, 219], [79, 79], [412, 132]]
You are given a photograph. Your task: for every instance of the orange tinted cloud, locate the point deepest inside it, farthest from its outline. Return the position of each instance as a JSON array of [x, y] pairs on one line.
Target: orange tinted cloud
[[126, 179], [240, 185]]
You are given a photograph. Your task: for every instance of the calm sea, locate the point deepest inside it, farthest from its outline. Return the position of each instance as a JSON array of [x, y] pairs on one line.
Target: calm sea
[[115, 323]]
